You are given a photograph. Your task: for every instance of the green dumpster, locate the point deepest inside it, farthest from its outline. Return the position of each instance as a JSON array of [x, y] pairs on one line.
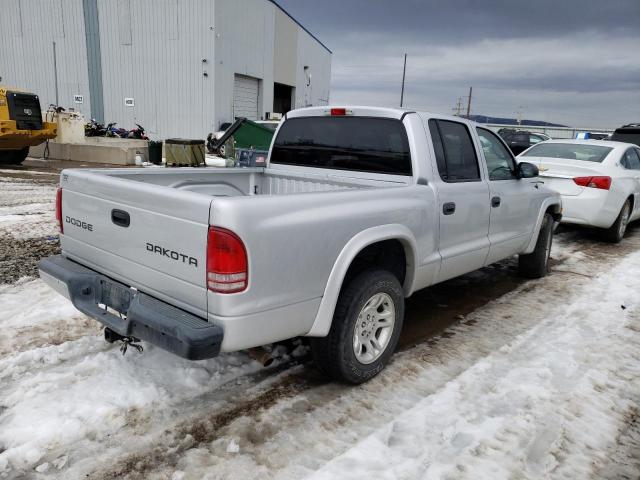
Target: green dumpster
[[253, 135]]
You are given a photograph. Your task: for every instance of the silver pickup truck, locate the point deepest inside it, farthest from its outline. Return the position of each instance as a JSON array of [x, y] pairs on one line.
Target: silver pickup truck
[[357, 208]]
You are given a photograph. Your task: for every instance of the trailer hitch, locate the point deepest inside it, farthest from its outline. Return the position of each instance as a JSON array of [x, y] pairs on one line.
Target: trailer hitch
[[111, 337]]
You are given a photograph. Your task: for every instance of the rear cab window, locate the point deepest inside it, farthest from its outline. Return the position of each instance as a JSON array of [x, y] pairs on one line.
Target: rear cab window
[[363, 144]]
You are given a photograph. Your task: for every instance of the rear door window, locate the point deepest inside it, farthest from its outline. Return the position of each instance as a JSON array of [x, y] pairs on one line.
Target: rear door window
[[364, 144], [455, 154]]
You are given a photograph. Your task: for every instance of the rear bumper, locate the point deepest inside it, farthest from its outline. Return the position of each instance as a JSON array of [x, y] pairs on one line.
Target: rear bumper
[[143, 316], [592, 207]]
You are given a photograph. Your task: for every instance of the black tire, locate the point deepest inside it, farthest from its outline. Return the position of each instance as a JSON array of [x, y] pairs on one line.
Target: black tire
[[334, 354], [13, 157], [615, 233], [536, 263]]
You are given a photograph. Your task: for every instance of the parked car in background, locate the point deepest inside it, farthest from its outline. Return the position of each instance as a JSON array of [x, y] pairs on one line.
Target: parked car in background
[[628, 133], [599, 181], [519, 140], [358, 208], [593, 136]]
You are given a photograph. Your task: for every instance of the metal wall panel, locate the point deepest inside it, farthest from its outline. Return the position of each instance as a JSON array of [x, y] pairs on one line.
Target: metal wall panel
[[175, 58], [28, 29], [162, 70], [244, 45], [312, 85], [286, 49], [94, 58]]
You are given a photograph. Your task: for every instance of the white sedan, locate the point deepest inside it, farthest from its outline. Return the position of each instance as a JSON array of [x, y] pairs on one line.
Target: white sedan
[[599, 181]]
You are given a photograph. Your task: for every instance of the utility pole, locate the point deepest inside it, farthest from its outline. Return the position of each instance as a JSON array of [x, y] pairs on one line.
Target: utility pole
[[520, 113], [469, 102], [404, 71], [458, 108]]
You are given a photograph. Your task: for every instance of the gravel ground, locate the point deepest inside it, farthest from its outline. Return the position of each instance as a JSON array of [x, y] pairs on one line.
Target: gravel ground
[[19, 257]]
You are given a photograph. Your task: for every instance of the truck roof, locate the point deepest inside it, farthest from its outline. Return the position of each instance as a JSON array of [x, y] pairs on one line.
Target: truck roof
[[370, 111]]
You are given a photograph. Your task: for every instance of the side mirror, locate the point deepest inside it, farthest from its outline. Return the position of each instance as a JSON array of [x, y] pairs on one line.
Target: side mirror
[[527, 170]]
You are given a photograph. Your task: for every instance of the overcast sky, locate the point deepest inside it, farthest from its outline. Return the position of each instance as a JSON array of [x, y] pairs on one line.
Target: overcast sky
[[575, 62]]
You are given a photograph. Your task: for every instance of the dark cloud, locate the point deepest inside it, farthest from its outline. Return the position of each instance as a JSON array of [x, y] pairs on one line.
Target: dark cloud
[[573, 61]]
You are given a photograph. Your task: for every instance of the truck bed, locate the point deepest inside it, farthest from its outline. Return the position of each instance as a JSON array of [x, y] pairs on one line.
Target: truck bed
[[234, 182], [170, 212]]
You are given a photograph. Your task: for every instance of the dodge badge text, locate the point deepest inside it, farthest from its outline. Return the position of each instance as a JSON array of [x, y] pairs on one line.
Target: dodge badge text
[[79, 223]]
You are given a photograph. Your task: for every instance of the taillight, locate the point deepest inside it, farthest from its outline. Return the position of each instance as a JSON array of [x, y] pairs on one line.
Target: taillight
[[603, 183], [59, 209], [226, 262]]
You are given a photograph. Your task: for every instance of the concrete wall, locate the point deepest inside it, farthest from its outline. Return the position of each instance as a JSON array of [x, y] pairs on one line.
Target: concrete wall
[[28, 29]]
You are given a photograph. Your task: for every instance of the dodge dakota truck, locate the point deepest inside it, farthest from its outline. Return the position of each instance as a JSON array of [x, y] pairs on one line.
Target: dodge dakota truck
[[357, 208]]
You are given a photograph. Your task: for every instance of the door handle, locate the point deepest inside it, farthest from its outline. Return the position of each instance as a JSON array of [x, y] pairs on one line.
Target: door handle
[[120, 218], [449, 208], [495, 202]]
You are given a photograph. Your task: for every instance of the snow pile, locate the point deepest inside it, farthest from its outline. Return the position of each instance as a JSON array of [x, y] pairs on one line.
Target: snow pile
[[61, 401], [551, 402]]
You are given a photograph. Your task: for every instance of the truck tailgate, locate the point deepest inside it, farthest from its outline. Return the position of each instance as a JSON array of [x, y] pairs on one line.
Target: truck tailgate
[[158, 246]]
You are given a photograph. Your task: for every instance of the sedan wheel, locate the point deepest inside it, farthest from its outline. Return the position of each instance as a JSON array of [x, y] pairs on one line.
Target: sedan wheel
[[615, 233]]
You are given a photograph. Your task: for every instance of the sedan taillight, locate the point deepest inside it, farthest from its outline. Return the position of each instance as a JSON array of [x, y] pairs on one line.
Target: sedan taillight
[[603, 183], [227, 270]]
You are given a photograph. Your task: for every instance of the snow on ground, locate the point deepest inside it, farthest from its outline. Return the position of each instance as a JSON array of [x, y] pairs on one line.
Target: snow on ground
[[34, 316], [27, 208], [552, 402], [56, 396], [542, 382]]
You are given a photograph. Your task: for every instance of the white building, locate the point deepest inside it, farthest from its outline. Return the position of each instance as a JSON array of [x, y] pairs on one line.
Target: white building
[[178, 67]]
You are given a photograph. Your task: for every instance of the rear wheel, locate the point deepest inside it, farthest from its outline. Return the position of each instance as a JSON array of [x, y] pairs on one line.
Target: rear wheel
[[615, 232], [536, 263], [13, 157], [365, 328]]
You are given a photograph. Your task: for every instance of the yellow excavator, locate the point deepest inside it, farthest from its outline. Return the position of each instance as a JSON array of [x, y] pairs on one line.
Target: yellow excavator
[[21, 125]]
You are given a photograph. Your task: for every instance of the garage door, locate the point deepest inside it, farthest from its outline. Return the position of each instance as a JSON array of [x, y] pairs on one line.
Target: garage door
[[245, 97]]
